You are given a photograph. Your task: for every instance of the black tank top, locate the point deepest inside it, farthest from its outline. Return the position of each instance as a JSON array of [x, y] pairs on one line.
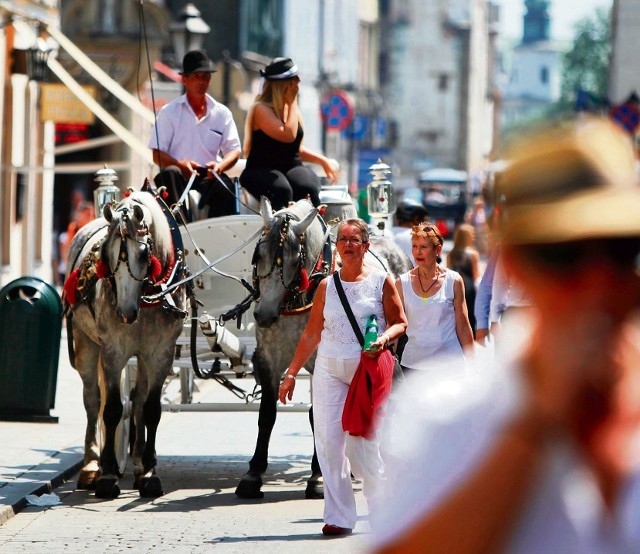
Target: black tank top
[[269, 153], [461, 262]]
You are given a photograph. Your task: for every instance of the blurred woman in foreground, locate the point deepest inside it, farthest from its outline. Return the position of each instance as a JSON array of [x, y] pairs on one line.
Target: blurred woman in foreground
[[543, 454]]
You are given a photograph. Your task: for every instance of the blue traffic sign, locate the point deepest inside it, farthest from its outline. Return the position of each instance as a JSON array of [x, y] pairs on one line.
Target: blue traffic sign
[[358, 128]]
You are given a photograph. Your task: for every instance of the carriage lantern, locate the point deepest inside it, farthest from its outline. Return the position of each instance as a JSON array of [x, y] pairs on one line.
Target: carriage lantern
[[107, 191], [380, 193]]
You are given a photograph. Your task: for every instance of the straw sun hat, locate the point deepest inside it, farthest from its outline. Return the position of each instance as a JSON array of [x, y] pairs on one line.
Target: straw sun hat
[[575, 183]]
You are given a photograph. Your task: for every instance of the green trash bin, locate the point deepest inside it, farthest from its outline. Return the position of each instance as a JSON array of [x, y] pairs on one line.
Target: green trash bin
[[30, 328]]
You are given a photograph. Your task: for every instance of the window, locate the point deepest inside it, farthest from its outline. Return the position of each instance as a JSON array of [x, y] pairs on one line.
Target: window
[[544, 74], [263, 27], [443, 82]]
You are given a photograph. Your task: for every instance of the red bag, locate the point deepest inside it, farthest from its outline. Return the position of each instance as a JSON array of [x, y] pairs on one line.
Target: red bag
[[367, 396]]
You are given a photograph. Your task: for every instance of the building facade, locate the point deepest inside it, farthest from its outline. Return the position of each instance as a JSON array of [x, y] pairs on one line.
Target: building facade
[[624, 72], [438, 82], [26, 141]]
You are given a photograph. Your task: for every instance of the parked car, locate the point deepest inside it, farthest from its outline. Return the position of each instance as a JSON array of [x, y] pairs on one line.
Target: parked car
[[444, 194]]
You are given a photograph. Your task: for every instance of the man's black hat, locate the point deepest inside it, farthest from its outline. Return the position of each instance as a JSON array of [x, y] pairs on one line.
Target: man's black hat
[[279, 68], [196, 60], [409, 209]]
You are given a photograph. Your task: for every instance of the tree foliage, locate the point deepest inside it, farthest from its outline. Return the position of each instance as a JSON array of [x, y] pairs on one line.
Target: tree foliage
[[586, 63]]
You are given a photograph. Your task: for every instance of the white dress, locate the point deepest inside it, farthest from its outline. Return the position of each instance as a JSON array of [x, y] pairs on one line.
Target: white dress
[[432, 324]]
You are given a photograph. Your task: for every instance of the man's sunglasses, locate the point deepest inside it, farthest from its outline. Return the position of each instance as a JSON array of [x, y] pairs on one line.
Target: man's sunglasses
[[567, 256]]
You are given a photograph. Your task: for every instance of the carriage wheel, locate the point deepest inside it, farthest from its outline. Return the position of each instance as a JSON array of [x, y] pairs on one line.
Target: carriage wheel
[[187, 385]]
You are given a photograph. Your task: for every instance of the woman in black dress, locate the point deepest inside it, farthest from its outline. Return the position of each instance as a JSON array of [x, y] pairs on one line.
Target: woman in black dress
[[464, 259], [273, 142]]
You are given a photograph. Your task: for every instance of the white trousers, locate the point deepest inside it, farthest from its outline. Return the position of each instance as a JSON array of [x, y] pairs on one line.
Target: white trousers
[[340, 454]]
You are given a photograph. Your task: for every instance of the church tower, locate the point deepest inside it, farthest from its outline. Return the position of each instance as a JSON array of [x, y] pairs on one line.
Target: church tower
[[535, 73], [536, 21]]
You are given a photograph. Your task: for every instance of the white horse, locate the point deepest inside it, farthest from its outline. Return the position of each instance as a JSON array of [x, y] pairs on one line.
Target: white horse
[[117, 261]]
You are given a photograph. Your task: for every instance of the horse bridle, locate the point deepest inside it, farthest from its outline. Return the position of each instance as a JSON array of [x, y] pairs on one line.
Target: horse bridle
[[278, 260], [123, 256], [298, 286]]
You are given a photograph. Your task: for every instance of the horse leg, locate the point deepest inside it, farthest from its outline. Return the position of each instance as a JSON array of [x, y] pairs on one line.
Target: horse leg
[[315, 489], [155, 367], [250, 484], [150, 485], [107, 484], [139, 396], [87, 355]]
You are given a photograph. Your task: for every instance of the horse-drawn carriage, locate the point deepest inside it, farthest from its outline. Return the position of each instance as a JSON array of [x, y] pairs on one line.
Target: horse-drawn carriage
[[131, 310]]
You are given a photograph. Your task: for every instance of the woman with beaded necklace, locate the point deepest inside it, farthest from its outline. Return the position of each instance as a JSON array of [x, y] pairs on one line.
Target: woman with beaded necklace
[[433, 299]]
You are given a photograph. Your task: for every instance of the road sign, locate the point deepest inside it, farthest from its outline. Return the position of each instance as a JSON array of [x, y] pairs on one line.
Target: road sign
[[358, 128], [337, 110]]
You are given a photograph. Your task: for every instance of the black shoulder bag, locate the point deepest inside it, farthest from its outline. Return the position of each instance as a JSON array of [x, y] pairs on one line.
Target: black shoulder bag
[[398, 376]]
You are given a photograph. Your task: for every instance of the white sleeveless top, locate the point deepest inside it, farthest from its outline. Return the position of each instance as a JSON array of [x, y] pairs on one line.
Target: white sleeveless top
[[365, 298], [432, 324]]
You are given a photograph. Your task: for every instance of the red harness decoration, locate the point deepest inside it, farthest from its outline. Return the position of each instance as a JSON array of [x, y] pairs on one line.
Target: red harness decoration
[[71, 286], [304, 280], [155, 268], [102, 269]]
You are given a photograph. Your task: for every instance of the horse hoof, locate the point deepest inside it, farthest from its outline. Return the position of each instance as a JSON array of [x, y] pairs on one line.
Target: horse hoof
[[249, 487], [314, 490], [150, 487], [87, 480], [107, 487]]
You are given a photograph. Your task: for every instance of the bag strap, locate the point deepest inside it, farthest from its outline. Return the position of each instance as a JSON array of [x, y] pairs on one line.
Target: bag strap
[[347, 308]]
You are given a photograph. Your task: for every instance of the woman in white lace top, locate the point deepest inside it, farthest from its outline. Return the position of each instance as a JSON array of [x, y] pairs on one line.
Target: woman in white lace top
[[368, 291]]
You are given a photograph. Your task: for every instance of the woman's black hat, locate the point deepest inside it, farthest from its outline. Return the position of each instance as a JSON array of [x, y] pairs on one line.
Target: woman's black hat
[[279, 68]]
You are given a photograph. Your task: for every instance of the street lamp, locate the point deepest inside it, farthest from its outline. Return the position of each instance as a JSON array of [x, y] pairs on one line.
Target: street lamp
[[188, 32], [380, 194], [107, 191]]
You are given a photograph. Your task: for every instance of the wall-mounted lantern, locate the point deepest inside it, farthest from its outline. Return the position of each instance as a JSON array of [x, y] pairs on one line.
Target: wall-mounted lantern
[[37, 57], [188, 32]]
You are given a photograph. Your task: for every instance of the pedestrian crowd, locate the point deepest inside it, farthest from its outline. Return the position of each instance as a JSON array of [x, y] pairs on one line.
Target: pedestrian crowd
[[517, 426]]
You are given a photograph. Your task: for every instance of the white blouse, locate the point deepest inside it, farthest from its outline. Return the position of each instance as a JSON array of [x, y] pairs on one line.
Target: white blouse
[[365, 298]]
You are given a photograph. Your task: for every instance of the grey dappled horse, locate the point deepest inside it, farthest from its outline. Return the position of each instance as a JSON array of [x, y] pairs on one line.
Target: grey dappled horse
[[292, 250], [132, 252]]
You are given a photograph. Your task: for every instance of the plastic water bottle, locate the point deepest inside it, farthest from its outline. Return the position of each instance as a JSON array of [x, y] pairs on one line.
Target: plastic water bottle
[[370, 332]]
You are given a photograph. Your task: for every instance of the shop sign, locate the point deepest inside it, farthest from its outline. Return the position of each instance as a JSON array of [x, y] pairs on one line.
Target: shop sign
[[59, 104]]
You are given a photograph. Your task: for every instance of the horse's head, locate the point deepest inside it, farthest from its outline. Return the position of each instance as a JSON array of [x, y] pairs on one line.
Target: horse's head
[[291, 242], [127, 255]]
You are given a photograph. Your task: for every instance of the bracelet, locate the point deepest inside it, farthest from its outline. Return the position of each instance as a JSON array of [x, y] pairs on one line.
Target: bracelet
[[387, 337], [287, 376]]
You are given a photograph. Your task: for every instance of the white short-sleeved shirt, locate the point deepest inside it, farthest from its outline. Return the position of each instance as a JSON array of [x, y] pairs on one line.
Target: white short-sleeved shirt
[[402, 237], [184, 137]]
